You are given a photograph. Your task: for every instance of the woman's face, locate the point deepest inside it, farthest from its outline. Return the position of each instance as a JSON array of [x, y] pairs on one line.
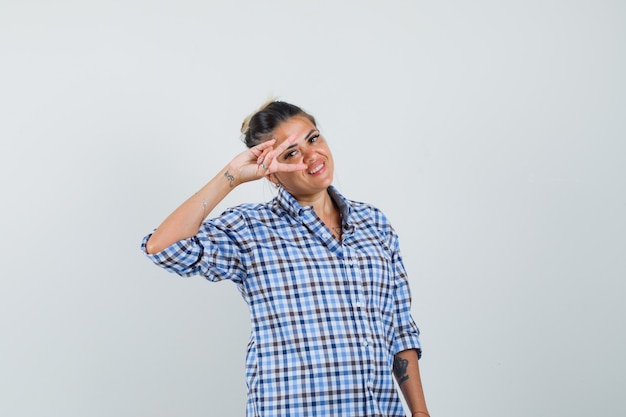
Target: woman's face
[[310, 149]]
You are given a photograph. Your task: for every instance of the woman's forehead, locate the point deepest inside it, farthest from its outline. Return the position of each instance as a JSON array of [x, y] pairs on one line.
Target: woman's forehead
[[300, 126]]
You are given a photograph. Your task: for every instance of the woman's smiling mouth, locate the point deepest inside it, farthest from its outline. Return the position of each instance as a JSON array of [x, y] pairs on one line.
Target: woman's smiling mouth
[[316, 169]]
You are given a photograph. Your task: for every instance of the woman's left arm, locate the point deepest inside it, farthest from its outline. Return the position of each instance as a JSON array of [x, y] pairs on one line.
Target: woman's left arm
[[407, 372]]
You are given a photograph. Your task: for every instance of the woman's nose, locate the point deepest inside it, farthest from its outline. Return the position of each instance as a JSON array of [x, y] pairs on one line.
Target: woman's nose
[[308, 155]]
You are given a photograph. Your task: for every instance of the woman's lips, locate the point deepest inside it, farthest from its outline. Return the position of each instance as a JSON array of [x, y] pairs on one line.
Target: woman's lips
[[316, 169]]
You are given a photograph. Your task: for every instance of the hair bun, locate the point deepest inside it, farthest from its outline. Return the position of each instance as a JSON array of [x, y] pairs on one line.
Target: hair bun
[[260, 125]]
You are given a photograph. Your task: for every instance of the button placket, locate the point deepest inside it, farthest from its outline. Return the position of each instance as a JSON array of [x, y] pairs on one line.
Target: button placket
[[360, 313]]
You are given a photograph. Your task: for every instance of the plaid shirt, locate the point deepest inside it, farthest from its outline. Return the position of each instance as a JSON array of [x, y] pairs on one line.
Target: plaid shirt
[[327, 316]]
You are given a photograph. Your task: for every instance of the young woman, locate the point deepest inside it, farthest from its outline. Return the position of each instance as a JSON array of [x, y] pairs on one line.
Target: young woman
[[322, 275]]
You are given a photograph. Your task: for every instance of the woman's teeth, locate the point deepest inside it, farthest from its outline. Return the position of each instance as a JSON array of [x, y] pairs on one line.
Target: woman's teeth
[[317, 168]]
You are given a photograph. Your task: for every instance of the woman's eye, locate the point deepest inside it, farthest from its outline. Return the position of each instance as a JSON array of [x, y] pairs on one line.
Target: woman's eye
[[294, 152], [290, 154]]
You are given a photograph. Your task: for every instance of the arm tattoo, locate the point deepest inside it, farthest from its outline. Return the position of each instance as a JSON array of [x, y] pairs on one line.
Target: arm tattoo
[[230, 178], [399, 369]]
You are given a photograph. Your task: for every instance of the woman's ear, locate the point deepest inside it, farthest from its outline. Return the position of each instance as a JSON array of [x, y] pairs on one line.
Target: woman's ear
[[272, 178]]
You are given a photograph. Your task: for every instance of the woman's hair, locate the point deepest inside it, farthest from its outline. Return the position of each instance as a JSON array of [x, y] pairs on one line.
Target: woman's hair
[[259, 126]]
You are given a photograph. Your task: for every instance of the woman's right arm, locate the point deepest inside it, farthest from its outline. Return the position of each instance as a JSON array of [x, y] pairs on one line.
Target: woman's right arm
[[185, 221]]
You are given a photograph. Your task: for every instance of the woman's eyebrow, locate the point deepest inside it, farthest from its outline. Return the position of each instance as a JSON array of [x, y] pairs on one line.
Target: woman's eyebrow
[[305, 138]]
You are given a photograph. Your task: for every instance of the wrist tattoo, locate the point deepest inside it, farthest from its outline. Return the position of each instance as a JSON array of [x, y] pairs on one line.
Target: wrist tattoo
[[399, 369], [230, 178]]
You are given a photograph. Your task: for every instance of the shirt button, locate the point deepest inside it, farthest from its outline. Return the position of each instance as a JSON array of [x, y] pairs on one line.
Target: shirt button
[[369, 384], [365, 343], [358, 304]]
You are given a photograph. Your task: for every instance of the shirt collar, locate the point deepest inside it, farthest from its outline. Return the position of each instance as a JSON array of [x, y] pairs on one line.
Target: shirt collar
[[288, 203]]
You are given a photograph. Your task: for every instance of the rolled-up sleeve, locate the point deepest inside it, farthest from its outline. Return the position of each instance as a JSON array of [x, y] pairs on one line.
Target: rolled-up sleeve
[[215, 252], [406, 331]]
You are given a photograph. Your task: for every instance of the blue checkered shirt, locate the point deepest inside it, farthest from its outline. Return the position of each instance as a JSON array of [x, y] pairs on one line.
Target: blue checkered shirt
[[327, 316]]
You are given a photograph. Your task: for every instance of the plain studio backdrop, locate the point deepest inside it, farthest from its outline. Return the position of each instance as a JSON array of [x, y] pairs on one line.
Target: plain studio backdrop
[[492, 134]]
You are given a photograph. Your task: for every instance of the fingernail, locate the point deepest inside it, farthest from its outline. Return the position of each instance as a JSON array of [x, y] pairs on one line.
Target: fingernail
[[259, 160]]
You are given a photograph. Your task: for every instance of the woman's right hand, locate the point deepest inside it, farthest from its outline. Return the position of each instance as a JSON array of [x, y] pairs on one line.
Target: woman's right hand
[[261, 161]]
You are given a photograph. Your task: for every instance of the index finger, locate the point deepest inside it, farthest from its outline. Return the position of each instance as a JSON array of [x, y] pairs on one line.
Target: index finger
[[286, 143]]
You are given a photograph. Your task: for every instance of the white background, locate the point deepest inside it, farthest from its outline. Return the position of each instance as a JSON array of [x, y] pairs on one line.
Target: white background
[[492, 134]]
